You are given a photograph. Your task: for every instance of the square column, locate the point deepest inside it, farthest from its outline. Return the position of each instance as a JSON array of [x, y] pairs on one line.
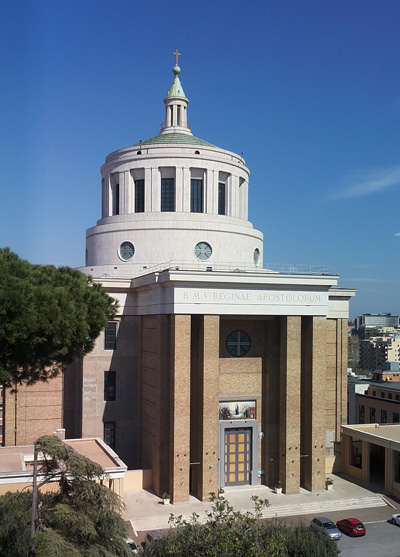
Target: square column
[[341, 390], [289, 404], [148, 191], [186, 189], [204, 405], [179, 189], [210, 404], [365, 461], [211, 191], [313, 411], [180, 408]]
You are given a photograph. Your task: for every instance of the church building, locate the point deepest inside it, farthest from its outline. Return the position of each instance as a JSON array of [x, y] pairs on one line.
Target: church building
[[217, 371]]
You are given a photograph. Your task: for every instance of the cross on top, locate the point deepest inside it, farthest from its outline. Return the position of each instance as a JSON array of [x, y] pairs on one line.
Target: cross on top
[[176, 54]]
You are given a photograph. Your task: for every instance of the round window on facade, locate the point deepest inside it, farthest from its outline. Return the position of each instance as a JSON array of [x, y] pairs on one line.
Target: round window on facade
[[203, 251], [256, 256], [238, 343], [126, 251]]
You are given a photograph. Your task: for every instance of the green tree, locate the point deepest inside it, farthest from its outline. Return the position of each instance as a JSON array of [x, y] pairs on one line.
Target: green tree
[[83, 518], [48, 317], [231, 533]]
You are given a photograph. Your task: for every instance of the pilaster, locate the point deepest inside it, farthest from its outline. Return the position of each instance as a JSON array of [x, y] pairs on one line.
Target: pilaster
[[342, 373], [210, 365], [148, 191], [212, 191], [156, 190], [289, 398], [313, 432], [179, 408], [186, 190], [204, 404]]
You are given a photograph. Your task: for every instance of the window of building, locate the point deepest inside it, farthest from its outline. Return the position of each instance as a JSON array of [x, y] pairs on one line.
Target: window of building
[[110, 336], [397, 397], [116, 200], [238, 343], [109, 385], [221, 198], [361, 414], [382, 394], [372, 415], [356, 452], [396, 418], [109, 434], [139, 196], [373, 393], [383, 417], [203, 251], [126, 251], [390, 396], [196, 195], [167, 194], [256, 257]]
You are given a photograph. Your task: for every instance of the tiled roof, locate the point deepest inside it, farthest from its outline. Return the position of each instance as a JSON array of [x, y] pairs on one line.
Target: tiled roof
[[175, 138]]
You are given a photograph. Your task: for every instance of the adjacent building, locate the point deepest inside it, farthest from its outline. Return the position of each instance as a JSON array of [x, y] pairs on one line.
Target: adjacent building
[[377, 402], [376, 351], [30, 411], [372, 455], [375, 321]]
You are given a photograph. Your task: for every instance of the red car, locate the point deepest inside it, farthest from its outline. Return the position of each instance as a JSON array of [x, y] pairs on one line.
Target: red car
[[351, 526]]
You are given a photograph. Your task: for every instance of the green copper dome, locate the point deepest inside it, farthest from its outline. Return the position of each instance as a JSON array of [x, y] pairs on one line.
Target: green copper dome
[[175, 138], [176, 89]]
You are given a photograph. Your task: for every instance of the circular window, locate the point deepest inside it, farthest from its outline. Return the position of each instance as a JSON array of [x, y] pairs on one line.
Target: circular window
[[256, 256], [203, 251], [126, 251], [238, 343]]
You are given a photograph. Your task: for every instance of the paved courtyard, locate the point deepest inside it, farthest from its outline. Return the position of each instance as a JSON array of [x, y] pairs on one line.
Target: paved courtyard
[[145, 511]]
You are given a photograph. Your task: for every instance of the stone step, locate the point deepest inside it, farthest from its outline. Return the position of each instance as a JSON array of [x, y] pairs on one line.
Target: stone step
[[319, 507]]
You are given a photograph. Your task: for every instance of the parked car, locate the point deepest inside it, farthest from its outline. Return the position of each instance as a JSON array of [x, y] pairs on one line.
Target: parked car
[[351, 526], [132, 545], [154, 535], [326, 526], [396, 519]]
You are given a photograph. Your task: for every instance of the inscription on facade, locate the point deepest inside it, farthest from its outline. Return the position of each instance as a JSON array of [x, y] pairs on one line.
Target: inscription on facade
[[275, 297]]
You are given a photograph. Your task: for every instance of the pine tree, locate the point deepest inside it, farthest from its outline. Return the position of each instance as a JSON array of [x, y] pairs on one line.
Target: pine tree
[[83, 518], [48, 317]]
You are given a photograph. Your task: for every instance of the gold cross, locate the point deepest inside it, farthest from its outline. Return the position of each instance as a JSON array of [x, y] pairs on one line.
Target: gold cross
[[176, 54]]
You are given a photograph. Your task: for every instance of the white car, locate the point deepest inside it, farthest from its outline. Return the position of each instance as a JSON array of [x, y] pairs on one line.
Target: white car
[[396, 519], [133, 547]]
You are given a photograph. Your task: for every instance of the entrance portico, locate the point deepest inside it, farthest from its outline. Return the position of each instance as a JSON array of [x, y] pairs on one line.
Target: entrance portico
[[246, 386]]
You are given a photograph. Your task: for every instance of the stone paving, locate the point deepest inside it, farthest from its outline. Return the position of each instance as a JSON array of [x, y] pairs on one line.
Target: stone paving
[[145, 511]]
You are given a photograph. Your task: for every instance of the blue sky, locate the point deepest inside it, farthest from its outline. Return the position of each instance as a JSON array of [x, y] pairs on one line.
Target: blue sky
[[308, 91]]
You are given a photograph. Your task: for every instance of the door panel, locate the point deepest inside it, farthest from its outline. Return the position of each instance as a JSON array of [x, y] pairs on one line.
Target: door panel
[[237, 456]]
